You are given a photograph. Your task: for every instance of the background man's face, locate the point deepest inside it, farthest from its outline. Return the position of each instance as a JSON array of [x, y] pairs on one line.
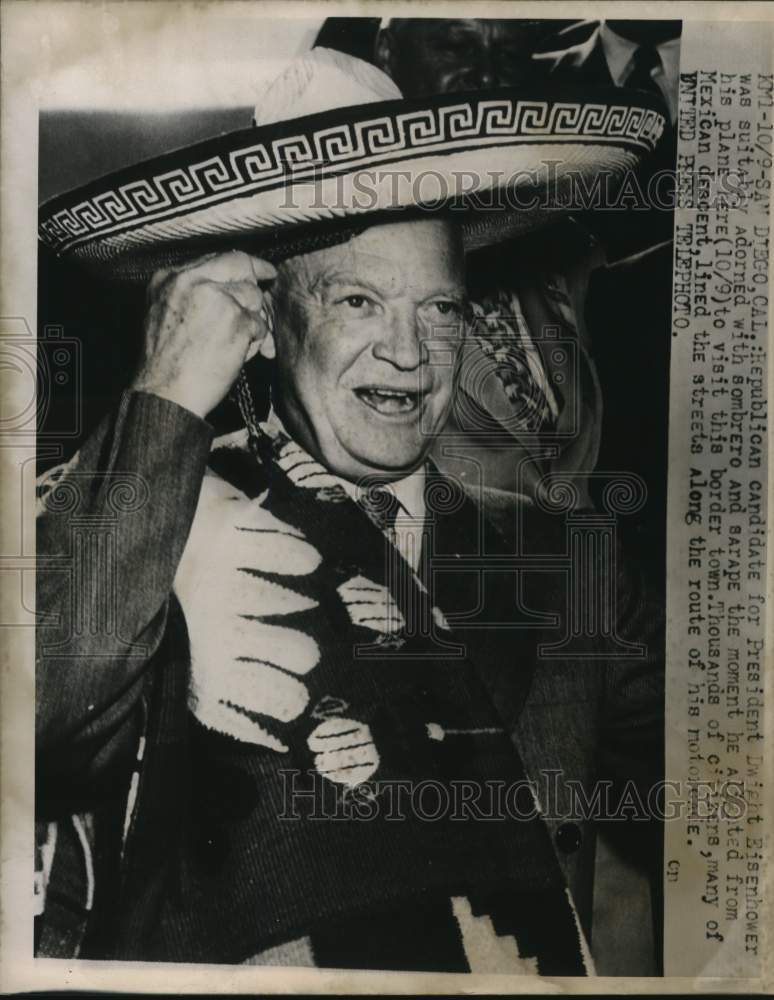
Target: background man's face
[[427, 57], [367, 335]]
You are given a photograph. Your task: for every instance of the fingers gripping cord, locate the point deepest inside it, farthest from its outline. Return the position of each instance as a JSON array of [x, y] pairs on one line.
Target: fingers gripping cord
[[243, 397]]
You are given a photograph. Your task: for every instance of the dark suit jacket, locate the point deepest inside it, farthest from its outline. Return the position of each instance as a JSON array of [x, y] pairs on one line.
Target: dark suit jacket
[[633, 364], [625, 231], [120, 651]]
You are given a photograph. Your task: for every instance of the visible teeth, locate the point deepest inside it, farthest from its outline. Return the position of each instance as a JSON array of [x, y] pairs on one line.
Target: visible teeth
[[389, 400]]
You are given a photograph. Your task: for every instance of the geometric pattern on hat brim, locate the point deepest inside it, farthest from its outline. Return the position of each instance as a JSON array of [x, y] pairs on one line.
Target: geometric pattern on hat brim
[[258, 186]]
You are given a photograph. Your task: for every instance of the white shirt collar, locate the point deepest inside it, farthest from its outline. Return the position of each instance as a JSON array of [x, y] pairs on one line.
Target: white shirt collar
[[670, 57], [410, 491], [619, 52]]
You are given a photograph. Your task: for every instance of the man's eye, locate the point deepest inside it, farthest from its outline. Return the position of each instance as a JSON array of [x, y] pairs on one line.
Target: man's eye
[[356, 301], [448, 308]]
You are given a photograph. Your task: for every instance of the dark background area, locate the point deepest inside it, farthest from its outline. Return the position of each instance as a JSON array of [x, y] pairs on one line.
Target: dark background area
[[75, 147]]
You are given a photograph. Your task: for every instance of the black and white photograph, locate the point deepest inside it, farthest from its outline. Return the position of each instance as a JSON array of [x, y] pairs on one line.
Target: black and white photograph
[[399, 468]]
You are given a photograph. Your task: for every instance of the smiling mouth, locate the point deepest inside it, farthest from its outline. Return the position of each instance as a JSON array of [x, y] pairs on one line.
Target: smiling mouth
[[390, 401]]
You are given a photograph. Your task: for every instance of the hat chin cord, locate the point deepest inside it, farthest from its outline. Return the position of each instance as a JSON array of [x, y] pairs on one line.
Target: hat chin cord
[[242, 395]]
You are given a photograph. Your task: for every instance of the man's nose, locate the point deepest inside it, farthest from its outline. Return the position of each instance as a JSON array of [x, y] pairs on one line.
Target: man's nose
[[402, 342], [486, 68]]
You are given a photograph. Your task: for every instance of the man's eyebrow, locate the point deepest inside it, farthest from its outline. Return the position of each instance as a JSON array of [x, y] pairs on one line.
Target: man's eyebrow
[[326, 281], [348, 278], [457, 295], [450, 291], [340, 277]]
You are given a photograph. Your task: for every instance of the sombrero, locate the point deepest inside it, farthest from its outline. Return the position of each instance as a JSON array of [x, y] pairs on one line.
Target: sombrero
[[335, 147]]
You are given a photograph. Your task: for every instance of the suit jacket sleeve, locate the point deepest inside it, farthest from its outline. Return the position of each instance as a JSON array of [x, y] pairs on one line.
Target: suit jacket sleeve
[[111, 528], [629, 690]]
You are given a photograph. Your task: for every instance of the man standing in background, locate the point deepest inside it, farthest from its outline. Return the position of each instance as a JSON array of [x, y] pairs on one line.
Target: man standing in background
[[634, 55]]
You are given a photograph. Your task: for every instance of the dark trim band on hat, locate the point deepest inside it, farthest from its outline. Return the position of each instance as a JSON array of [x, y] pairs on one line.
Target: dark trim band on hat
[[208, 175]]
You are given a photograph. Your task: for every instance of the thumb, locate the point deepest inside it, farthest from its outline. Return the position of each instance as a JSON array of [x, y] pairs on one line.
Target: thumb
[[262, 269]]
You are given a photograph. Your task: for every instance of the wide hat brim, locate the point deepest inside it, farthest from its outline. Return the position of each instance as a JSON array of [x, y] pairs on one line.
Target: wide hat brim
[[505, 162]]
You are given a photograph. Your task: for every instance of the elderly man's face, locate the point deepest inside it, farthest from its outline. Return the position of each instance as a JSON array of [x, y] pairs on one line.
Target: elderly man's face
[[367, 335], [439, 56]]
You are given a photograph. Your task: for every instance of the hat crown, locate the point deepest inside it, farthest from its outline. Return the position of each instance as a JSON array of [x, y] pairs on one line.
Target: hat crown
[[335, 143], [323, 80]]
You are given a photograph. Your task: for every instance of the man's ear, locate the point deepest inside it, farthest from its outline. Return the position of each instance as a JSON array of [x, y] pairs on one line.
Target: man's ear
[[268, 348], [265, 346]]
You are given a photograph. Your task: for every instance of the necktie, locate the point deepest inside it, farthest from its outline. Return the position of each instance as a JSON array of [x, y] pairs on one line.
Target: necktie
[[644, 61]]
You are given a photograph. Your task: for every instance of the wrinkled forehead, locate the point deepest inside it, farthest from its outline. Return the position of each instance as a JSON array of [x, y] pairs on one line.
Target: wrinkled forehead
[[421, 255]]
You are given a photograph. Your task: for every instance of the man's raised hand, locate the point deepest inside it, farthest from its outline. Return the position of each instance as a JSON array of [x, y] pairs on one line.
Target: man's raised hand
[[204, 320]]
